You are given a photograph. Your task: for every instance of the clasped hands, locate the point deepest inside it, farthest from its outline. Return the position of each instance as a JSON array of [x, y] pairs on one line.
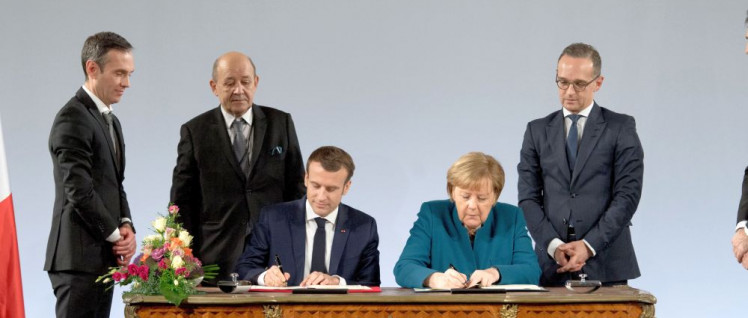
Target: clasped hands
[[454, 279], [275, 278], [124, 249], [572, 256], [740, 247]]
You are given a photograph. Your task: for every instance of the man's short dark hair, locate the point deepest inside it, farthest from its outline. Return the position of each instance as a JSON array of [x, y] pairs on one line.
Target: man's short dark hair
[[746, 19], [98, 45], [582, 50], [332, 159]]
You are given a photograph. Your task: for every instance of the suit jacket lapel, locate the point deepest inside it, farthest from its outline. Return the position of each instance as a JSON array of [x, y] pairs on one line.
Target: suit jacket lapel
[[94, 111], [218, 128], [121, 142], [592, 132], [297, 227], [340, 237], [260, 126], [556, 135]]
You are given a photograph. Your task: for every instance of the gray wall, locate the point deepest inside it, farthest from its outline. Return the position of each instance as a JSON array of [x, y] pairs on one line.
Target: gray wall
[[407, 87]]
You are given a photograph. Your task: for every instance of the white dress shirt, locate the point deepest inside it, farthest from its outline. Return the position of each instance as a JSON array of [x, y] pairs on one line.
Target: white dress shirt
[[229, 118], [311, 228]]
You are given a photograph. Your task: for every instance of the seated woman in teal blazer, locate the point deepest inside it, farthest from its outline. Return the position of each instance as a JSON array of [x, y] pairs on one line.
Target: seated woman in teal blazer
[[470, 233]]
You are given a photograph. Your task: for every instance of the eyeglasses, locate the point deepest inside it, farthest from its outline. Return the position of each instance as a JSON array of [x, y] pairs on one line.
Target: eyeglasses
[[578, 86]]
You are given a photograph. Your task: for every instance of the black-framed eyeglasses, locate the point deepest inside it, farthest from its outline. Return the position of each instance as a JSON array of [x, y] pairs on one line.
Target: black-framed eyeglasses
[[578, 86]]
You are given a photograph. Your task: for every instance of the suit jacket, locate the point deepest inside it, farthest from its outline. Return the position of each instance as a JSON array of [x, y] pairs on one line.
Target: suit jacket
[[743, 207], [438, 238], [281, 231], [218, 203], [601, 195], [89, 198]]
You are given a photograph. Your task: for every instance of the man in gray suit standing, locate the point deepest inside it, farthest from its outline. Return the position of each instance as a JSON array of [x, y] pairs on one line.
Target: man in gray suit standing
[[580, 179]]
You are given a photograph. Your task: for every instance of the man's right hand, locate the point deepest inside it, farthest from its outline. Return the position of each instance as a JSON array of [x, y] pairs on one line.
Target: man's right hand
[[740, 246], [275, 278]]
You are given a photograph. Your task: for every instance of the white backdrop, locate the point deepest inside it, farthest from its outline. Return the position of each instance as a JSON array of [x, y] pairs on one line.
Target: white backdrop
[[407, 87]]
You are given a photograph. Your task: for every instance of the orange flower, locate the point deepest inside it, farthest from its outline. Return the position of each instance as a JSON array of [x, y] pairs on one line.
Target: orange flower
[[175, 243], [187, 251], [145, 257]]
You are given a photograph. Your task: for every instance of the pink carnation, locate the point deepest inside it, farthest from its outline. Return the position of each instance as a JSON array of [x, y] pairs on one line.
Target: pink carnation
[[158, 253], [173, 209], [117, 276], [162, 264], [181, 271], [132, 269], [143, 272]]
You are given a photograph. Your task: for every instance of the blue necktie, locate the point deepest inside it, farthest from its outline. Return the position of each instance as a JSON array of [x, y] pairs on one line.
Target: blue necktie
[[318, 249], [572, 141]]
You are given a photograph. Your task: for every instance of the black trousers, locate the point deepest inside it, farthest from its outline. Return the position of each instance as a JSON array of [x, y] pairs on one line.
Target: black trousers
[[78, 295]]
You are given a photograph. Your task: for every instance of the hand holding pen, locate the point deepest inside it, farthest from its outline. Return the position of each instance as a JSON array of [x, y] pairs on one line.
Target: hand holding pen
[[451, 278], [275, 276]]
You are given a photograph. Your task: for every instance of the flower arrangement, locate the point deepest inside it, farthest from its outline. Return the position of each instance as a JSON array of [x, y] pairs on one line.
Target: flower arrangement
[[166, 266]]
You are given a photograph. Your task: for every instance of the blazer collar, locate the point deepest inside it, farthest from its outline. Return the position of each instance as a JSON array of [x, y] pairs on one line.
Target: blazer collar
[[83, 96], [218, 127], [592, 131], [555, 134], [259, 123]]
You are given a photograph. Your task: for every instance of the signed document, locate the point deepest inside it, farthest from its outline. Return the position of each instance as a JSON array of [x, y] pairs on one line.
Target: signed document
[[489, 289]]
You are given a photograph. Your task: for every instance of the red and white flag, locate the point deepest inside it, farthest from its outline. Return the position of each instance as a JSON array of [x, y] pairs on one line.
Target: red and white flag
[[11, 291]]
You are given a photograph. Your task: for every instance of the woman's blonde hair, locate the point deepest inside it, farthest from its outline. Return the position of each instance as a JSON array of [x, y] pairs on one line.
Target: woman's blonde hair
[[472, 169]]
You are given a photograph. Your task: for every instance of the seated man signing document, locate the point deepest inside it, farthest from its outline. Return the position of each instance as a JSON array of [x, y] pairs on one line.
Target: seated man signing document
[[316, 240], [470, 239]]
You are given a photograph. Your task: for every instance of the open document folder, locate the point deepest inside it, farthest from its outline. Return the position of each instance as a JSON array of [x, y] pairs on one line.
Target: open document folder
[[317, 289], [488, 289]]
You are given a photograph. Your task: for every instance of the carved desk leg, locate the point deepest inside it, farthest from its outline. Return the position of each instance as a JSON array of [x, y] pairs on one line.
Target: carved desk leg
[[509, 311], [648, 311], [131, 311], [272, 311]]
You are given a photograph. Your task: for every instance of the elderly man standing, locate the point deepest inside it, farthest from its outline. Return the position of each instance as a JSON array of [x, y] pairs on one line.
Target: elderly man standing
[[232, 161], [580, 179]]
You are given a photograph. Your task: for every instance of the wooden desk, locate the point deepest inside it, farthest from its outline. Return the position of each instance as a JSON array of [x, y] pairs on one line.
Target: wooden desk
[[621, 301]]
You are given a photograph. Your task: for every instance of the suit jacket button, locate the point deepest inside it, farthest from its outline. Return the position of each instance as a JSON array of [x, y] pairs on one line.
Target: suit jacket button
[[573, 195]]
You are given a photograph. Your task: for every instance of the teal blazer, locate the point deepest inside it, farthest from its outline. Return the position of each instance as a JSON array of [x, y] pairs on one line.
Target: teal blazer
[[439, 239]]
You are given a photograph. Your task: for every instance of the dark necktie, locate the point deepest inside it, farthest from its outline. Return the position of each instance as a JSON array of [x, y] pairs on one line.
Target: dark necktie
[[572, 141], [109, 117], [240, 144], [318, 249]]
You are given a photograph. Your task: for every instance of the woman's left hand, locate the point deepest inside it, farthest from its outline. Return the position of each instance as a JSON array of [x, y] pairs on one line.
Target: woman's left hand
[[484, 277]]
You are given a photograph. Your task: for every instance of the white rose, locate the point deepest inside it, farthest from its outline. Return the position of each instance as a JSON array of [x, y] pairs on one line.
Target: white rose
[[185, 237], [152, 238], [177, 262], [159, 224]]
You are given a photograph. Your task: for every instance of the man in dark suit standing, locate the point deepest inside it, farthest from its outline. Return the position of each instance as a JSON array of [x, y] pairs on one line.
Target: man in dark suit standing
[[232, 161], [740, 238], [319, 240], [580, 179], [91, 223]]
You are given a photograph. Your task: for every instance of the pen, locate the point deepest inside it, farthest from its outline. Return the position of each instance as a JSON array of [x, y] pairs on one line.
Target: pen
[[280, 267], [452, 267]]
